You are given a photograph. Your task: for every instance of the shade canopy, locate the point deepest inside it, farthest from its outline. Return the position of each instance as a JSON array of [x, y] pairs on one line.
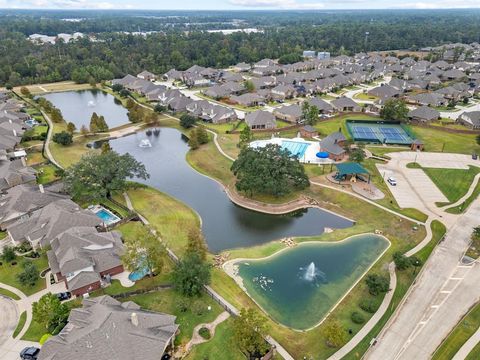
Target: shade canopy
[[350, 168]]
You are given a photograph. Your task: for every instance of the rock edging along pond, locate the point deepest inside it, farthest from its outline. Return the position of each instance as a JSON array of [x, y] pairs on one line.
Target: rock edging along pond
[[298, 287], [225, 225]]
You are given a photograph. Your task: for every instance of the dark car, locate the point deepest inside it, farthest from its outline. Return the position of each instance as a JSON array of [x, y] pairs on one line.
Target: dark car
[[64, 296], [474, 156], [29, 353]]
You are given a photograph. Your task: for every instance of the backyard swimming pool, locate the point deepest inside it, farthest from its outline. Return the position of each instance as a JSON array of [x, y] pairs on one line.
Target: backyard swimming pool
[[107, 216]]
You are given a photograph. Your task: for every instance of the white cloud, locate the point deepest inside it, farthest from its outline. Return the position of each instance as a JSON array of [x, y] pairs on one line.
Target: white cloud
[[440, 4], [277, 4], [61, 4]]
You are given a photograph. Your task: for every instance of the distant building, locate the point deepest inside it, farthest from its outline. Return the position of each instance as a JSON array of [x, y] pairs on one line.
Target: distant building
[[309, 54], [323, 55]]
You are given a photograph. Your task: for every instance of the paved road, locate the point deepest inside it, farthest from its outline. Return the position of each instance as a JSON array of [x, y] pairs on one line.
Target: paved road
[[435, 304], [8, 319]]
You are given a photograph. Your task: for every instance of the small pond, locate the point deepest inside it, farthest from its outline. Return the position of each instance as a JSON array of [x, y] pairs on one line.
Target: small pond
[[297, 287], [224, 224], [78, 106]]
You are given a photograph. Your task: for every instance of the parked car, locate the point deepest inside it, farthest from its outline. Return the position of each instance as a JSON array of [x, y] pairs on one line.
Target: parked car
[[64, 296], [29, 353], [392, 181], [474, 156]]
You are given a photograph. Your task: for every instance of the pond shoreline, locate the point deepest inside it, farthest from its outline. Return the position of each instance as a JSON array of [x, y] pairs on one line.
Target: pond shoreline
[[230, 267]]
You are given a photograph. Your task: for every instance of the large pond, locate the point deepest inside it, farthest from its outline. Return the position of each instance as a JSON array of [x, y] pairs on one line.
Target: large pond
[[224, 224], [299, 286], [78, 106]]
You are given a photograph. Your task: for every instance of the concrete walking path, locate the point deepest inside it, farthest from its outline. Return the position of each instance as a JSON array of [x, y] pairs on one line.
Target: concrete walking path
[[468, 346], [198, 339]]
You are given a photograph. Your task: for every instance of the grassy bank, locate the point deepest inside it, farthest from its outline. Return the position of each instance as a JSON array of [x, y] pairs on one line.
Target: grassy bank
[[21, 324], [9, 273]]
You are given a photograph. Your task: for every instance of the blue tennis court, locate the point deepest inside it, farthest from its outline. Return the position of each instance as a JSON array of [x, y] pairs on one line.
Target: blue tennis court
[[379, 132], [296, 148]]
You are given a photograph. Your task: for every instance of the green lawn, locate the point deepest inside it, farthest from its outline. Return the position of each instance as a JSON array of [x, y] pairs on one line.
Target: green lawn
[[8, 274], [166, 301], [326, 127], [171, 218], [68, 155], [474, 354], [438, 141], [46, 173], [221, 344], [453, 183], [461, 208], [365, 96], [21, 324], [459, 335]]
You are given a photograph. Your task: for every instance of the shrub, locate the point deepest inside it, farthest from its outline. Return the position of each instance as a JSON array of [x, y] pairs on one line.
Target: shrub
[[401, 261], [8, 253], [205, 333], [368, 305], [357, 318], [63, 138], [198, 308], [44, 338], [182, 305], [187, 121], [377, 284]]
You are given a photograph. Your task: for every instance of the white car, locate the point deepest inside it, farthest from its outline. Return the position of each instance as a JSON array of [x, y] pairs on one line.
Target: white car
[[392, 181]]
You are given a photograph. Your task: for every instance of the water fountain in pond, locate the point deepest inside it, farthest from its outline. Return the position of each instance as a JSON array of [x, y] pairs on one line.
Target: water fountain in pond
[[145, 143], [310, 273], [91, 103]]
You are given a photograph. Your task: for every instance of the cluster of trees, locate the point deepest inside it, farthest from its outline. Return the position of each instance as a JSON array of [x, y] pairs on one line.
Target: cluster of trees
[[268, 170], [50, 312], [55, 113], [97, 176], [137, 113], [98, 123], [64, 138], [198, 136], [285, 35], [187, 121], [403, 262], [394, 109]]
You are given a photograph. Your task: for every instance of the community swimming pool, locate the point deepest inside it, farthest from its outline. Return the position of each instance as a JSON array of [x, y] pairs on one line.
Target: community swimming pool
[[304, 150], [296, 148]]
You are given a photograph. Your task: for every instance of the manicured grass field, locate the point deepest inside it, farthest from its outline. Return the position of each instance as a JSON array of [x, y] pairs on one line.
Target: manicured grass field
[[453, 183], [221, 344], [46, 173], [8, 274], [459, 335], [171, 218], [167, 301], [326, 127], [34, 158], [365, 96], [474, 354], [21, 324], [68, 155]]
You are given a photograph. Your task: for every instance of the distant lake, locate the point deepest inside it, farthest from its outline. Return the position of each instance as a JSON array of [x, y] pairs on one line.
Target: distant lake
[[224, 224], [78, 106]]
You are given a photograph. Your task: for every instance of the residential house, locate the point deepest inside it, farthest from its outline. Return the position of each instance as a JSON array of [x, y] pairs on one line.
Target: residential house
[[264, 82], [146, 75], [424, 114], [264, 63], [21, 200], [249, 99], [173, 75], [308, 131], [43, 225], [470, 119], [290, 113], [322, 106], [429, 99], [242, 67], [81, 257], [344, 104], [284, 92], [105, 329], [260, 120], [15, 172]]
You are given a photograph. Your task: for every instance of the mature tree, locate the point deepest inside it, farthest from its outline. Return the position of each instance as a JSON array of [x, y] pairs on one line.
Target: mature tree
[[193, 140], [130, 104], [8, 86], [96, 176], [145, 250], [310, 113], [202, 135], [8, 253], [117, 87], [63, 138], [249, 329], [124, 93], [84, 131], [56, 115], [335, 335], [269, 170], [25, 92], [50, 312], [105, 147], [357, 154], [190, 274], [394, 109], [249, 86], [246, 137], [187, 121], [196, 243], [160, 108], [102, 124], [401, 261], [71, 128], [29, 276], [377, 284]]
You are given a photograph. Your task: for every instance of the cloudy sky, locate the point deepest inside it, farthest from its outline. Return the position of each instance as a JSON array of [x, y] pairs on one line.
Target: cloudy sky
[[238, 4]]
